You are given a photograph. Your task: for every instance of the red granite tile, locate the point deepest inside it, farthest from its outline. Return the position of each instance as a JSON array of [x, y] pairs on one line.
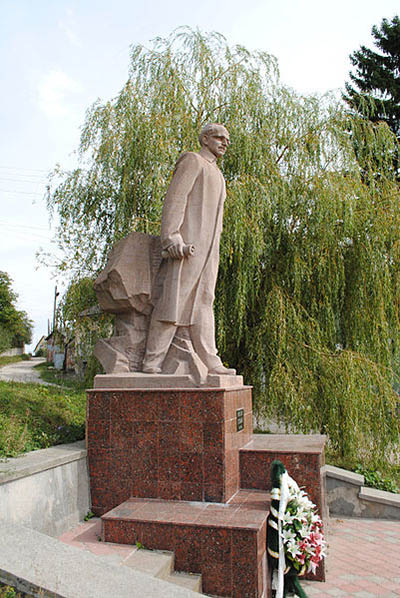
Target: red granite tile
[[231, 486], [98, 433], [213, 407], [232, 463], [99, 462], [215, 519], [244, 546], [96, 495], [168, 436], [122, 434], [158, 536], [248, 421], [213, 437], [244, 579], [188, 548], [192, 491], [122, 532], [146, 434], [239, 439], [213, 492], [145, 488], [121, 464], [146, 406], [250, 519], [217, 545], [169, 406], [191, 467], [191, 437], [192, 407], [261, 542], [145, 464], [170, 490], [169, 467], [217, 579], [111, 497], [263, 578], [122, 406], [231, 406], [230, 426], [241, 497], [258, 500], [98, 406], [213, 468]]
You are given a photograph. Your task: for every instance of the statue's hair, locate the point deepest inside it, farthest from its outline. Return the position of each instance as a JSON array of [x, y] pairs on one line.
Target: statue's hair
[[209, 129]]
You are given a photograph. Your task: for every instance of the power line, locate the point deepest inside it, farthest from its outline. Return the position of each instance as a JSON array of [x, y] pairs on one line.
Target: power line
[[22, 192], [26, 236], [25, 169], [37, 182], [16, 224]]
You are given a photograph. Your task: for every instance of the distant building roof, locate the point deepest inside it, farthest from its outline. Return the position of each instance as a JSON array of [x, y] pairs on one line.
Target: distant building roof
[[40, 344]]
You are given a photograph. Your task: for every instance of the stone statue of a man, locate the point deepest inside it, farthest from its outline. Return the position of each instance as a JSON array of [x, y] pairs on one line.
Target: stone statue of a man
[[192, 216]]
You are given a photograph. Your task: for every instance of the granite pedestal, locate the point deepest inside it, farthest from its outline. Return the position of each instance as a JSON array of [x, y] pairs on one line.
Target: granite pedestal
[[175, 444], [179, 469]]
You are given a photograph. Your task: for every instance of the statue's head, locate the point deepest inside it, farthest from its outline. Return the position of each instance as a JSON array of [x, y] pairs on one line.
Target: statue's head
[[215, 138]]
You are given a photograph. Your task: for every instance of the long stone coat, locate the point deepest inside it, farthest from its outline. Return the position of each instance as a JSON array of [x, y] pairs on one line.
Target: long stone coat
[[192, 213]]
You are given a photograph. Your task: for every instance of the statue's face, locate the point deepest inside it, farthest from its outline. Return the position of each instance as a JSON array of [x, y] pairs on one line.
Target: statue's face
[[217, 141]]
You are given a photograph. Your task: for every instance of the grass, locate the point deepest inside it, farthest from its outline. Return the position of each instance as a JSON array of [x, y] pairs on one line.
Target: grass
[[33, 416], [65, 379], [6, 359], [8, 592]]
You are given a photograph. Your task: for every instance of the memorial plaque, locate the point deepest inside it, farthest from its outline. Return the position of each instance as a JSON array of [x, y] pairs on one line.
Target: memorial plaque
[[239, 419]]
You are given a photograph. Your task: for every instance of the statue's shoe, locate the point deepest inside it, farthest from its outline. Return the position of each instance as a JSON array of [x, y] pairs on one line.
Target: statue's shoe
[[151, 370], [223, 371]]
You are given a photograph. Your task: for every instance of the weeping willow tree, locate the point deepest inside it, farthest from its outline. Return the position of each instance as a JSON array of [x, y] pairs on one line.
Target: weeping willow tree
[[307, 304]]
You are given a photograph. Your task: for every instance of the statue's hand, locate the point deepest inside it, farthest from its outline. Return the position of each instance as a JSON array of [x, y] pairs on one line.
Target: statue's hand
[[176, 250]]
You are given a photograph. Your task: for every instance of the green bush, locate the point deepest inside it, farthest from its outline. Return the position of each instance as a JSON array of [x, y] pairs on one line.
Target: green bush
[[8, 592], [374, 479]]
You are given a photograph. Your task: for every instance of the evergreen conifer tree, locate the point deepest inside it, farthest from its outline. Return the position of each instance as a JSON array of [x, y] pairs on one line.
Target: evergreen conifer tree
[[376, 80]]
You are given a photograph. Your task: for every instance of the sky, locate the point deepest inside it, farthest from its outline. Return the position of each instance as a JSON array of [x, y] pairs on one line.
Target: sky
[[59, 56]]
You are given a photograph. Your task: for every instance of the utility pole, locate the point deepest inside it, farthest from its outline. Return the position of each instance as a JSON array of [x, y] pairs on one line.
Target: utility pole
[[54, 308]]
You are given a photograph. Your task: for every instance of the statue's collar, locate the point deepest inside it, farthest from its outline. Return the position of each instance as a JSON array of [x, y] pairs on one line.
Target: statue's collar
[[207, 155]]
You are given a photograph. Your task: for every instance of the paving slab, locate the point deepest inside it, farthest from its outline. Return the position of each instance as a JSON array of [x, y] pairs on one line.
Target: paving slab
[[363, 560]]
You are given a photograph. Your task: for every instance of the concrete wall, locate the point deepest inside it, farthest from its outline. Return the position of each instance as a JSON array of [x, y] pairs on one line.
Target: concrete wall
[[46, 490], [13, 352], [347, 496]]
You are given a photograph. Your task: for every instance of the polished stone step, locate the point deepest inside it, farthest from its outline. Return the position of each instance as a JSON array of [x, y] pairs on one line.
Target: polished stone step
[[225, 542], [159, 564]]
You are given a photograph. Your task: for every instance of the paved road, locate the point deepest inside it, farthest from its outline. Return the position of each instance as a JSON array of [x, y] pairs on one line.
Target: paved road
[[22, 371]]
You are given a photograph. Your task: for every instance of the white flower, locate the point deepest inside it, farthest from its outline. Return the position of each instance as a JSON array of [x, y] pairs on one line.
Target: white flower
[[305, 531], [315, 518], [312, 567], [288, 535], [292, 548], [288, 518]]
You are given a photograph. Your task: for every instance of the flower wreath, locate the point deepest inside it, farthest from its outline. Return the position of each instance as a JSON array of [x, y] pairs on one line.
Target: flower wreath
[[295, 541]]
